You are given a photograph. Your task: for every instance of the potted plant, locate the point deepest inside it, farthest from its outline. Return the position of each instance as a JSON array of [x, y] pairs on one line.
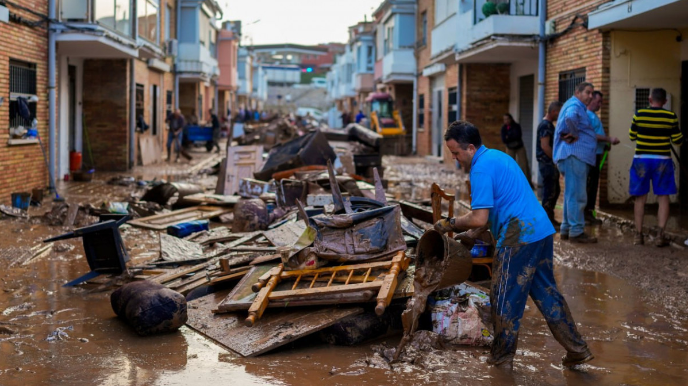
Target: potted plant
[[489, 8], [503, 8]]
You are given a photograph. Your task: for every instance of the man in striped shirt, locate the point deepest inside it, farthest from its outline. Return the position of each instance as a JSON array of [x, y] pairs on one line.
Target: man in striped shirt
[[574, 151], [653, 129]]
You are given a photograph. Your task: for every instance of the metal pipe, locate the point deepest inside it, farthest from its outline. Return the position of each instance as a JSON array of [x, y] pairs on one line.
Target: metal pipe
[[542, 58], [178, 11], [132, 93], [415, 102], [51, 95]]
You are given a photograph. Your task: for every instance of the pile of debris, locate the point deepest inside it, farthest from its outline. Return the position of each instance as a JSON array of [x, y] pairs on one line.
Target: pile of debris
[[303, 243]]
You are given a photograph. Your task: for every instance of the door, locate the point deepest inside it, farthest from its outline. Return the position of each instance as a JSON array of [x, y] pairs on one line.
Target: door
[[154, 110], [241, 162], [526, 113], [72, 105], [683, 186], [437, 122]]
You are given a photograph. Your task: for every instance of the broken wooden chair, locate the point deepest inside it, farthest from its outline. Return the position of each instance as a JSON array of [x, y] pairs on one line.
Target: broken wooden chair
[[338, 280]]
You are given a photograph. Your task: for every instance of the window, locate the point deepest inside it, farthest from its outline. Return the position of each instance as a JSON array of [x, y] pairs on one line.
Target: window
[[452, 105], [113, 14], [139, 100], [22, 84], [168, 22], [568, 81], [388, 40], [370, 58], [420, 113], [641, 98], [203, 29], [423, 24], [147, 19], [444, 9]]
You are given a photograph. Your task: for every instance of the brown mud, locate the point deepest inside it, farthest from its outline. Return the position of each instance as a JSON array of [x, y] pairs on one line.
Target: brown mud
[[629, 303]]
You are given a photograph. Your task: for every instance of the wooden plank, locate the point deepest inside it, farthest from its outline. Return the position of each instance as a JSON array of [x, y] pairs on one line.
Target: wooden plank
[[415, 211], [72, 211], [275, 329], [240, 238], [264, 259], [166, 277], [286, 235], [233, 276], [162, 221], [184, 290], [176, 249], [237, 299]]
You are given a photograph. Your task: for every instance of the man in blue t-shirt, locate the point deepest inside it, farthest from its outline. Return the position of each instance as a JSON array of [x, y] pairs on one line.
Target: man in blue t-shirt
[[502, 198]]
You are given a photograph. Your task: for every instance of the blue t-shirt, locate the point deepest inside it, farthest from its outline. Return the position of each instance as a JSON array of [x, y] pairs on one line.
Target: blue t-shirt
[[598, 130], [498, 184]]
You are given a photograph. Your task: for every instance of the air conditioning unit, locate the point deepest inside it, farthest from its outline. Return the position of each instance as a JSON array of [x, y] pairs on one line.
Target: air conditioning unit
[[171, 47]]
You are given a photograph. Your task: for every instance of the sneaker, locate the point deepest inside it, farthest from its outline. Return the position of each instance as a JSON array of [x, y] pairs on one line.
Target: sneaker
[[583, 238], [591, 220], [573, 359], [565, 236], [638, 239]]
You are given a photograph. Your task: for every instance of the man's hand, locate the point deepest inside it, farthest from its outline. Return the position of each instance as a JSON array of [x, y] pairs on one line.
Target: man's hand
[[568, 138], [614, 140], [443, 226]]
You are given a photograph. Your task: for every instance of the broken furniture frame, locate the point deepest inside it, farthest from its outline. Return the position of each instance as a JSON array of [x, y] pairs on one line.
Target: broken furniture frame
[[161, 222], [345, 274], [103, 247], [437, 196]]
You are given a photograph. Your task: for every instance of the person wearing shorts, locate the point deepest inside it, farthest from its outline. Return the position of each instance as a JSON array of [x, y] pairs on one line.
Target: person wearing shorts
[[653, 129]]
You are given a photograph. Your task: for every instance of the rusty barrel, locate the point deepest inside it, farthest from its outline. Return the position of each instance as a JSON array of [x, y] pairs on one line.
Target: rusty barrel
[[441, 261]]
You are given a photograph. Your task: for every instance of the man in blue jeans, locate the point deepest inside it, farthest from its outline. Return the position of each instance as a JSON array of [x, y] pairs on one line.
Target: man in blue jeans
[[574, 151], [503, 199]]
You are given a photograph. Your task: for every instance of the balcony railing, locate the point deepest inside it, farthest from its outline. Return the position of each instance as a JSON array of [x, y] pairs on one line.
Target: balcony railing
[[505, 7], [112, 14]]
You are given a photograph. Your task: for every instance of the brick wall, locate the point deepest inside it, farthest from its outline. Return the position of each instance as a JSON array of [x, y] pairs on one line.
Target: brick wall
[[485, 98], [579, 48], [106, 106], [22, 166]]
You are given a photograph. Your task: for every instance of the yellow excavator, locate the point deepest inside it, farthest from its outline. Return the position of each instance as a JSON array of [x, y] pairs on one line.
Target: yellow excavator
[[383, 117]]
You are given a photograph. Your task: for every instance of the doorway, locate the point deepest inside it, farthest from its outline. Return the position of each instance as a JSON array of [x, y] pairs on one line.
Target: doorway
[[72, 107], [154, 112], [526, 113]]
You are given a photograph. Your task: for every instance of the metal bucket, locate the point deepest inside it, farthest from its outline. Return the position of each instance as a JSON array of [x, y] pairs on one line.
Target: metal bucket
[[441, 261]]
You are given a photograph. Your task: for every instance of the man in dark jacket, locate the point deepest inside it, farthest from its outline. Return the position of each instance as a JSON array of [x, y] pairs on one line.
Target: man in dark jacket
[[215, 123]]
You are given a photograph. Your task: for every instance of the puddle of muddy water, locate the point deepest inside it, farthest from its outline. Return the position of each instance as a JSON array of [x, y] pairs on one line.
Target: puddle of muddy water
[[635, 343]]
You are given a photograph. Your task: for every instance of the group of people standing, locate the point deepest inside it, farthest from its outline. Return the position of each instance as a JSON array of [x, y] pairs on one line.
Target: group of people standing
[[571, 141]]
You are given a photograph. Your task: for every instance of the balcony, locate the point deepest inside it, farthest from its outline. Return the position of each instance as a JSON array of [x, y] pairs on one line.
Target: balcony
[[640, 14], [399, 66], [364, 82], [196, 63], [196, 71], [100, 29]]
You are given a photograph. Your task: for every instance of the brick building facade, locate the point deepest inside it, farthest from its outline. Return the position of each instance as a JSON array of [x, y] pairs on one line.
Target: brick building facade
[[23, 54]]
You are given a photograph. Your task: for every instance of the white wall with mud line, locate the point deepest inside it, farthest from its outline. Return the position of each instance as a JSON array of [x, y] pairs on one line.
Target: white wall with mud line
[[639, 60]]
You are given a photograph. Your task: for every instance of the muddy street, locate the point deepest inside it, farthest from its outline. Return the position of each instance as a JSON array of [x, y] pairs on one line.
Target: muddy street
[[630, 304]]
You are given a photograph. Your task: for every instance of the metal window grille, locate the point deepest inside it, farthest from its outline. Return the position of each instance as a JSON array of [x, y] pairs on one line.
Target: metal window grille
[[22, 81], [568, 81], [641, 98], [22, 77]]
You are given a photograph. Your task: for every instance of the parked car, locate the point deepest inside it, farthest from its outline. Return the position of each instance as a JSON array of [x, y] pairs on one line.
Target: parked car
[[319, 82]]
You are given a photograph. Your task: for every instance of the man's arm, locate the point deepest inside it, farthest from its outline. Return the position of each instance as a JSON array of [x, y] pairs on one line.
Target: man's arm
[[611, 140], [546, 146], [472, 220], [633, 129], [676, 134]]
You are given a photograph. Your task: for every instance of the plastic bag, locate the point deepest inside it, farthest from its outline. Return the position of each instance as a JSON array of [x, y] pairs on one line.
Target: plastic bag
[[459, 320]]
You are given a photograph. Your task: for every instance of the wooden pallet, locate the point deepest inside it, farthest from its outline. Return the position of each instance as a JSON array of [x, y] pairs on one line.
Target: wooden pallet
[[338, 280], [160, 222]]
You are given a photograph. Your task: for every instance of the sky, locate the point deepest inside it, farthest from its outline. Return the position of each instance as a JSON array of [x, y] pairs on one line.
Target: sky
[[307, 22]]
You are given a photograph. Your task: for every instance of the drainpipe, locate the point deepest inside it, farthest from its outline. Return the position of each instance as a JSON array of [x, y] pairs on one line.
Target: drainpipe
[[51, 97], [542, 58], [415, 107], [132, 93], [178, 11]]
